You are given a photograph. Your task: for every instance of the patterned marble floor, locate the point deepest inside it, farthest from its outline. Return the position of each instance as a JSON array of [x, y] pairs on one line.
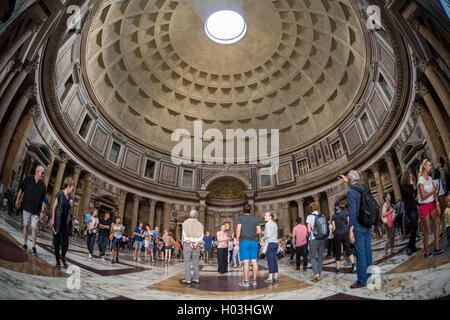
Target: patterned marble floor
[[24, 277]]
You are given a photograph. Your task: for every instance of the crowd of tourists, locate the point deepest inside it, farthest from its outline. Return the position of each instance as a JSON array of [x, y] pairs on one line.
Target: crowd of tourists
[[425, 208]]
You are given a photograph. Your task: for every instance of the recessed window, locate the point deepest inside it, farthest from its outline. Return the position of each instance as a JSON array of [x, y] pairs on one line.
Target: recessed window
[[66, 88], [225, 27], [302, 166], [150, 169], [266, 179], [337, 150], [387, 89], [85, 126], [368, 128], [114, 153], [187, 178]]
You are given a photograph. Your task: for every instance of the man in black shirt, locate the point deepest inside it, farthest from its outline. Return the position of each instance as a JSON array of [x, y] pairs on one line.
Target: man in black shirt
[[32, 197], [103, 234]]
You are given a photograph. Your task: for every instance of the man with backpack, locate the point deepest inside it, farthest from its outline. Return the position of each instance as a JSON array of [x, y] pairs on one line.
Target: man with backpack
[[363, 214], [443, 190], [318, 231]]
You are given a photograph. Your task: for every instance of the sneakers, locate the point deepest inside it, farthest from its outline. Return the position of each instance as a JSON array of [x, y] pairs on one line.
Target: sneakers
[[297, 268], [35, 253], [268, 280], [90, 257], [139, 259], [244, 284], [186, 281], [409, 252], [338, 271], [25, 247], [134, 259], [438, 251], [102, 258], [254, 283], [426, 255], [196, 281], [112, 261]]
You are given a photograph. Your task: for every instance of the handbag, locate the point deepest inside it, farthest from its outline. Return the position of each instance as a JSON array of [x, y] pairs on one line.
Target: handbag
[[390, 220], [264, 247]]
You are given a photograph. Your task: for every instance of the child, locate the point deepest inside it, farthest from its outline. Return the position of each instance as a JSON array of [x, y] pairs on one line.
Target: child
[[160, 248], [447, 219], [148, 242]]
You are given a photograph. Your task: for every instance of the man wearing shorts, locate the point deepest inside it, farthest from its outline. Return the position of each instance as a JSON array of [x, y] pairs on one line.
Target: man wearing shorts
[[247, 232], [32, 198], [138, 241]]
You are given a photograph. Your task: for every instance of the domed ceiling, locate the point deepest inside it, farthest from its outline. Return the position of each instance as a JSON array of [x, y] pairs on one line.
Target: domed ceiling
[[151, 68]]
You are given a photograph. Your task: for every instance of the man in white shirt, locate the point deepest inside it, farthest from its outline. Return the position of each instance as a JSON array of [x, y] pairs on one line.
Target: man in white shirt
[[192, 237]]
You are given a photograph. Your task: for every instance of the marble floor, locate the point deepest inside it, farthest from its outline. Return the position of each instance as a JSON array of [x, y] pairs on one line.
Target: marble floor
[[26, 277]]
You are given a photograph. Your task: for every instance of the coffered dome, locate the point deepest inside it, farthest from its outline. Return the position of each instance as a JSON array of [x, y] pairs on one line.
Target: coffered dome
[[151, 68]]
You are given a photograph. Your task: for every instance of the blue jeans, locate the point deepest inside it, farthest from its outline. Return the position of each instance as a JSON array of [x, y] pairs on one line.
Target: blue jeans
[[413, 218], [363, 252], [91, 242], [102, 242], [208, 254], [271, 256]]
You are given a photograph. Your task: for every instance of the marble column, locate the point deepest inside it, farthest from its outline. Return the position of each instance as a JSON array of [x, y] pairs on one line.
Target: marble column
[[301, 210], [122, 202], [158, 218], [166, 215], [17, 145], [60, 174], [76, 176], [418, 110], [285, 219], [330, 200], [392, 173], [151, 217], [48, 170], [436, 114], [17, 67], [235, 219], [437, 84], [202, 209], [202, 213], [14, 86], [376, 174], [364, 178], [432, 40], [397, 148], [85, 202], [134, 216], [316, 198], [9, 52], [7, 131], [292, 217]]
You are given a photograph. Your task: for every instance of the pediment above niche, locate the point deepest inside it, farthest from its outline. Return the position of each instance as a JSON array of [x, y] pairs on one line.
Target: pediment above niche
[[118, 136], [93, 110]]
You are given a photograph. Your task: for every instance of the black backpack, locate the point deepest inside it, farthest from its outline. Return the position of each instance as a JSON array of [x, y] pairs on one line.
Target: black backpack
[[447, 183], [369, 210], [398, 221], [320, 230]]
